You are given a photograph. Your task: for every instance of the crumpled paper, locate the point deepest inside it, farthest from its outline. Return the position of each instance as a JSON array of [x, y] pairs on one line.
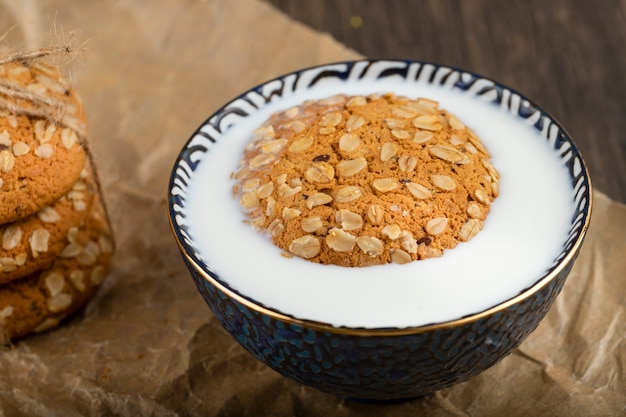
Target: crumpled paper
[[148, 344]]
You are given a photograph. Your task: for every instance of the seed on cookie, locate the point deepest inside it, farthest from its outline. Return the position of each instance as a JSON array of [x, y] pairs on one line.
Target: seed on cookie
[[470, 148], [68, 138], [5, 140], [265, 190], [7, 264], [38, 241], [392, 231], [425, 105], [276, 228], [261, 160], [443, 182], [348, 193], [87, 256], [296, 126], [265, 132], [311, 224], [370, 245], [356, 101], [375, 214], [456, 140], [281, 179], [11, 237], [349, 220], [482, 196], [271, 204], [385, 185], [290, 213], [257, 222], [407, 163], [495, 188], [273, 146], [474, 210], [320, 172], [306, 246], [292, 112], [47, 324], [40, 130], [349, 167], [48, 133], [400, 134], [388, 151], [300, 145], [20, 259], [477, 143], [422, 136], [436, 226], [318, 199], [418, 191], [54, 283], [7, 161], [333, 100], [59, 302], [71, 250], [44, 151], [406, 112], [490, 168], [455, 123], [399, 256], [20, 148], [408, 242], [349, 142], [12, 120], [354, 122], [6, 311], [249, 200], [427, 122], [77, 278], [339, 240], [392, 123], [470, 229], [285, 191], [448, 154], [331, 119]]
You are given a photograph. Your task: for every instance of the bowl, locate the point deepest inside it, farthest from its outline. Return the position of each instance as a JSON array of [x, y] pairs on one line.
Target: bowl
[[386, 361]]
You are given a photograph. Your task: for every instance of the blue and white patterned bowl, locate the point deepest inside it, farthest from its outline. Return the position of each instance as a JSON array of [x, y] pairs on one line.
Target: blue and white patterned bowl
[[379, 364]]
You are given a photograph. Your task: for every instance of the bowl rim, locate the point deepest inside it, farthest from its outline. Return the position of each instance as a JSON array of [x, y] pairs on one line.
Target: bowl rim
[[558, 266]]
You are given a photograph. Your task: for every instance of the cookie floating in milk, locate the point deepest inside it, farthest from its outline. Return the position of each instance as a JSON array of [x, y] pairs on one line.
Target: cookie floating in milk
[[366, 180]]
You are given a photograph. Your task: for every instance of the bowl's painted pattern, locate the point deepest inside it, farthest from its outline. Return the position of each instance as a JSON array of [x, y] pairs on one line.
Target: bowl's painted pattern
[[376, 366], [379, 364]]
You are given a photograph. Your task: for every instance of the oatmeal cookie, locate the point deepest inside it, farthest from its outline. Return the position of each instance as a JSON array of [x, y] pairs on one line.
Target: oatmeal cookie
[[34, 242], [40, 301], [40, 160], [357, 181]]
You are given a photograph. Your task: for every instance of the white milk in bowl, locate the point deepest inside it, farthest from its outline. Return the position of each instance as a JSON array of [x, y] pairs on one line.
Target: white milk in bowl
[[520, 239]]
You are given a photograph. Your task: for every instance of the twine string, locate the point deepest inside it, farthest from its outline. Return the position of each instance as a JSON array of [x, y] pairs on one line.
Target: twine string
[[19, 100]]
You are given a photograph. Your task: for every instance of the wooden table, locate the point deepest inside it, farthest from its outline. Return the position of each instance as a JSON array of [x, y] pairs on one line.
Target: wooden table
[[568, 56]]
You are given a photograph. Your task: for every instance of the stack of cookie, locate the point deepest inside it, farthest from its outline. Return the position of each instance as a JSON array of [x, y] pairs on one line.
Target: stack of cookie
[[56, 241]]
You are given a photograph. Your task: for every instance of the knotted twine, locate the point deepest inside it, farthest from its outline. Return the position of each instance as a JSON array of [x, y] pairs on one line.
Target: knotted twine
[[20, 100]]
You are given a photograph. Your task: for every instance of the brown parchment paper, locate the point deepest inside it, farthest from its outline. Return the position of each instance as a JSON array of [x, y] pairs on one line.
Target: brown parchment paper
[[148, 344]]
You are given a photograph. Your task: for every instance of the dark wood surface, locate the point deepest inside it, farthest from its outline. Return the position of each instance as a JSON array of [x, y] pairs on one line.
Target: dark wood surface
[[568, 56]]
